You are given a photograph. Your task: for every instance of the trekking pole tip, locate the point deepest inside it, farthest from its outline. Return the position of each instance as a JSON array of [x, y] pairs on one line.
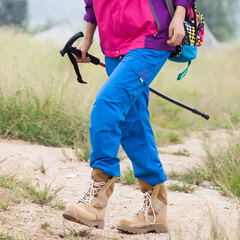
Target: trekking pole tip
[[206, 116]]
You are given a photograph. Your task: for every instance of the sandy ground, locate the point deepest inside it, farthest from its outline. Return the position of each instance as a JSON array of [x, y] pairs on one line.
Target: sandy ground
[[190, 216]]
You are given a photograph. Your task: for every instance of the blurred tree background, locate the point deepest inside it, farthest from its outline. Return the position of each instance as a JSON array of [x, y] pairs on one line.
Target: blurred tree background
[[221, 17], [14, 12]]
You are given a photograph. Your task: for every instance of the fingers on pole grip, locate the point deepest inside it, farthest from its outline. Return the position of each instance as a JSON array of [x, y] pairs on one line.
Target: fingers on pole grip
[[93, 60]]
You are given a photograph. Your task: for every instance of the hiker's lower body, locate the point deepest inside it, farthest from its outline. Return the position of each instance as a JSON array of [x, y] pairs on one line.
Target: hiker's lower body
[[120, 116]]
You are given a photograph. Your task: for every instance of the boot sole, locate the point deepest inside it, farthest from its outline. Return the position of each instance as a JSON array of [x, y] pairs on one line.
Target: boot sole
[[161, 228], [74, 217]]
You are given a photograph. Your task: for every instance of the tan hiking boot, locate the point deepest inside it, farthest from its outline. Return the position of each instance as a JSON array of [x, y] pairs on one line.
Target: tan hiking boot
[[91, 208], [152, 217]]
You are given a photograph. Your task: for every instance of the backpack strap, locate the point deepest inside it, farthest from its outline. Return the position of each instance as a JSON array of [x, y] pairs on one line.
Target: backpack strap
[[170, 7], [184, 73]]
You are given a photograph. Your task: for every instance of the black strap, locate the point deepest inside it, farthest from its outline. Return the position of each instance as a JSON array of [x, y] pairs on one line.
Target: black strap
[[74, 62], [78, 53], [196, 22]]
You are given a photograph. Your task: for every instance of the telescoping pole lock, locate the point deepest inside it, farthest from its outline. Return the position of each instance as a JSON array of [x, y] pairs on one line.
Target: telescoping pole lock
[[70, 50]]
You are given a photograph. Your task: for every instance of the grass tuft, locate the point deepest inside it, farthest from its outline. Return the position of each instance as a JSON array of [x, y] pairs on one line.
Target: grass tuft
[[223, 166], [44, 196], [45, 225], [82, 150], [3, 205], [128, 177], [217, 231], [182, 152], [195, 176], [165, 137], [74, 234], [184, 188], [6, 236], [66, 156], [40, 165], [20, 190]]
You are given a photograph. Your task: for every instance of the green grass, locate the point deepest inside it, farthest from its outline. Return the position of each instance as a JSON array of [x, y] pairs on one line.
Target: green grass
[[4, 205], [6, 236], [195, 176], [210, 86], [41, 166], [41, 100], [167, 136], [223, 166], [82, 150], [217, 230], [44, 196], [14, 188], [45, 225], [73, 234], [24, 117], [128, 177], [34, 94], [182, 152], [18, 191], [181, 188]]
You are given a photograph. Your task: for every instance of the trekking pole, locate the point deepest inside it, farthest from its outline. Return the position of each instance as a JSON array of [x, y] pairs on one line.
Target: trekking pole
[[193, 110], [72, 50]]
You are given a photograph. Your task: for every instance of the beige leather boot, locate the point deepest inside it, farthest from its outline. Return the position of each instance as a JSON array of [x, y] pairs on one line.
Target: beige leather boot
[[152, 217], [91, 208]]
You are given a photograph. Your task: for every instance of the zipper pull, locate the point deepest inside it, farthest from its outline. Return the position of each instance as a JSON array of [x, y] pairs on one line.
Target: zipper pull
[[155, 34]]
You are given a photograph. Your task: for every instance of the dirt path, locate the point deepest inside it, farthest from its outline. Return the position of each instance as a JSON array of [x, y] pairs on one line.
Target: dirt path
[[190, 216]]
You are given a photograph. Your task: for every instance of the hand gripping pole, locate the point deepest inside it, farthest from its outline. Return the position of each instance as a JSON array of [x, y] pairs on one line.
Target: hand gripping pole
[[72, 50]]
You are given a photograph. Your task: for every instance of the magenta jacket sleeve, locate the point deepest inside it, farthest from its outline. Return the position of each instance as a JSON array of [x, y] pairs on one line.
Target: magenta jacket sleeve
[[184, 3], [90, 15]]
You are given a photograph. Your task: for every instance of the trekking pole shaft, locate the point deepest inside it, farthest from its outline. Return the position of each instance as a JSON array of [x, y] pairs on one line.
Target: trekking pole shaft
[[204, 115], [102, 64]]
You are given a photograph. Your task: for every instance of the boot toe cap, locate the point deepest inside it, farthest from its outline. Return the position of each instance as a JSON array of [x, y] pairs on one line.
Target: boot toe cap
[[132, 222]]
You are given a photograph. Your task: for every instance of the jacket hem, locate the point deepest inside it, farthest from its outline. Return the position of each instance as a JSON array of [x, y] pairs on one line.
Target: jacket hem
[[158, 44]]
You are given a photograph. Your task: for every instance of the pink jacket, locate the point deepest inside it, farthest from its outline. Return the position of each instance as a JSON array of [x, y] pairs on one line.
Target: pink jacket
[[124, 25]]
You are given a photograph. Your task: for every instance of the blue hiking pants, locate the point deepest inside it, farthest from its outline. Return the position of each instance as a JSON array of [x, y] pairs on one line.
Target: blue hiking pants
[[120, 116]]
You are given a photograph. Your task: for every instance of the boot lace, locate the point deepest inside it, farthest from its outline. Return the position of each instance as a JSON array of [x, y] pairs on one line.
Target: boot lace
[[147, 205], [91, 190]]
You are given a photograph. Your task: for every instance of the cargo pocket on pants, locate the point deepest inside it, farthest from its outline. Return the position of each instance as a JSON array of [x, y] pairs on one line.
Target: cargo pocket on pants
[[144, 71]]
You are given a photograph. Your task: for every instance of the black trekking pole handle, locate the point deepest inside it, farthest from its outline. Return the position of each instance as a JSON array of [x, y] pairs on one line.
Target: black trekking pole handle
[[68, 48], [72, 50], [70, 42]]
